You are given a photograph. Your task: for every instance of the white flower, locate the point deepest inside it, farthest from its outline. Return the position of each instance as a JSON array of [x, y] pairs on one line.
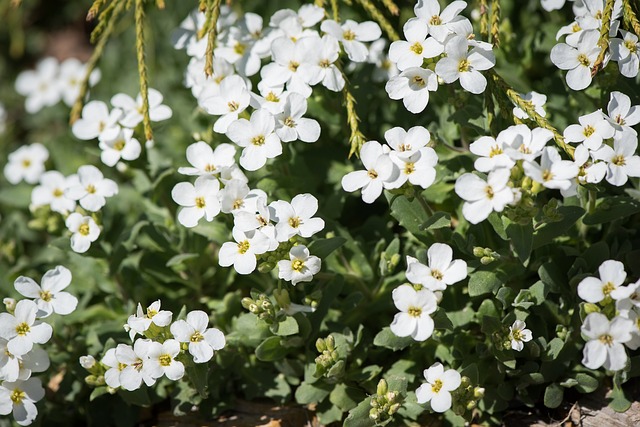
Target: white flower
[[132, 108], [622, 162], [26, 163], [84, 229], [112, 375], [590, 172], [203, 341], [492, 152], [518, 335], [522, 143], [483, 197], [132, 361], [592, 130], [206, 161], [123, 146], [288, 56], [242, 253], [141, 321], [290, 123], [442, 270], [612, 276], [385, 69], [417, 47], [22, 329], [415, 307], [295, 218], [162, 360], [552, 172], [50, 192], [405, 143], [271, 98], [441, 24], [197, 200], [72, 73], [41, 86], [604, 346], [308, 15], [438, 388], [258, 139], [413, 86], [87, 362], [379, 168], [13, 368], [626, 52], [578, 60], [92, 189], [97, 122], [459, 63], [235, 197], [50, 297], [550, 5], [301, 266], [621, 114], [418, 168], [627, 298], [320, 62], [352, 35], [536, 99], [19, 397]]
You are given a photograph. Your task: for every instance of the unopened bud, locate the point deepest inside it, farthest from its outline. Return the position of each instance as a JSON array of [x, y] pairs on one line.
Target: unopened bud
[[478, 251], [478, 393], [10, 304], [87, 362], [320, 345], [591, 308], [382, 388], [331, 343]]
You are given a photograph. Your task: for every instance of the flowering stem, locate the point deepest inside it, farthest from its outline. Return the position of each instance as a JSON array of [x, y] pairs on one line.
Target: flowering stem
[[357, 138], [484, 20], [495, 22], [528, 108], [95, 8], [93, 61], [142, 69], [630, 17], [334, 10], [391, 7], [380, 19], [603, 41], [213, 34]]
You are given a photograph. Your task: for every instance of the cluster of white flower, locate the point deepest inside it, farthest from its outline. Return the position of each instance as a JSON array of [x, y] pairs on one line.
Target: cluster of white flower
[[20, 329], [406, 158], [88, 188], [53, 81], [579, 53], [606, 338], [163, 351], [418, 300], [114, 129], [259, 227], [446, 40]]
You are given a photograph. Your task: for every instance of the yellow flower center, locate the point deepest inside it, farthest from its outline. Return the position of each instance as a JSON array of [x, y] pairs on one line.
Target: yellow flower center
[[584, 60], [58, 193], [589, 130], [619, 160], [289, 122], [233, 106], [239, 48], [324, 63], [45, 296], [372, 174], [575, 27], [84, 229], [547, 175], [238, 203], [26, 163], [489, 192], [295, 221], [495, 150], [165, 360], [516, 334], [414, 311], [17, 396], [271, 97], [437, 386], [23, 329], [210, 168], [419, 81], [631, 46], [121, 366], [91, 189], [200, 203], [416, 48], [196, 337], [608, 288], [409, 168], [243, 246], [606, 339], [293, 66], [435, 20], [436, 274], [349, 35], [464, 66], [258, 140], [297, 265]]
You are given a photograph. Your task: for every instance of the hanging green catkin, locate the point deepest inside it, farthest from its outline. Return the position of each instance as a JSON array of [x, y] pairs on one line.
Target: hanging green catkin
[[142, 69]]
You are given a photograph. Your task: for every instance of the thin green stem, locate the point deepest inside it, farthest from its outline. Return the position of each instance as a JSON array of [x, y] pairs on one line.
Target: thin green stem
[[603, 41], [142, 69], [380, 19], [212, 36]]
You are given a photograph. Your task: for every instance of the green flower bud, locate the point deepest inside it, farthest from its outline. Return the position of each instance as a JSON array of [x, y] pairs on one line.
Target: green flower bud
[[591, 308], [478, 251], [331, 344], [382, 388], [266, 267], [320, 345], [393, 408]]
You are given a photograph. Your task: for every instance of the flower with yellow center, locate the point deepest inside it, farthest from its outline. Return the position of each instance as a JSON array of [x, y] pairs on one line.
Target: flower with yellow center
[[437, 390]]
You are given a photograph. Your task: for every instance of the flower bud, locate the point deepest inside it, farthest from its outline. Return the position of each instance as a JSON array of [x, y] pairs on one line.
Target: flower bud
[[10, 304], [478, 251], [382, 388], [87, 362], [320, 345]]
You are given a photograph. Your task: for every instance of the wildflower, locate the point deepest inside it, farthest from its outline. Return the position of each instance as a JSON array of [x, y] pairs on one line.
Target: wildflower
[[622, 162], [132, 108], [301, 267], [290, 125], [26, 163], [84, 231], [518, 335], [162, 360], [492, 152], [141, 321], [378, 169], [229, 103], [19, 397], [132, 362], [621, 114], [92, 189], [197, 200], [295, 218], [72, 73], [320, 65], [352, 35], [288, 56], [483, 197], [206, 161], [258, 139], [604, 346], [577, 60], [626, 52], [242, 253], [552, 172], [203, 341], [442, 270], [51, 190], [97, 122], [441, 23], [49, 297], [416, 48], [437, 390], [22, 329], [413, 86], [415, 308], [465, 65], [592, 130], [612, 276], [123, 146], [41, 86]]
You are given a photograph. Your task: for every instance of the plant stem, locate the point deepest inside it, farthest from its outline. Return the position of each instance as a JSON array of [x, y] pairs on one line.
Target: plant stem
[[211, 41], [630, 17], [603, 41], [142, 69], [380, 19], [495, 23]]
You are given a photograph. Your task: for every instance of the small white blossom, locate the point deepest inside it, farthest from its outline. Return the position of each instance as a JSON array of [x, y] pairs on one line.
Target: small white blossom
[[22, 329], [257, 138], [626, 52], [416, 48], [207, 161], [242, 253], [592, 130], [352, 35], [537, 100], [26, 163], [301, 267], [605, 341], [441, 23], [577, 60], [132, 108], [437, 390], [51, 192], [141, 321], [19, 397], [97, 122], [415, 307], [552, 172], [379, 168], [295, 218], [49, 297], [203, 341], [92, 189], [197, 200], [72, 73], [483, 197], [612, 276], [518, 335], [161, 360], [622, 160], [465, 65], [84, 231], [41, 86], [442, 270], [290, 125], [413, 86], [621, 114], [232, 100]]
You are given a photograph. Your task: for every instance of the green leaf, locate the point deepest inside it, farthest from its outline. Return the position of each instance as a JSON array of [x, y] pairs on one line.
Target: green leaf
[[287, 327], [619, 401], [387, 339], [611, 209], [138, 397], [498, 226], [271, 349], [198, 374], [312, 393], [436, 221], [180, 259], [586, 383], [323, 247], [521, 237], [553, 395], [97, 392], [549, 231], [410, 214], [483, 282], [346, 397], [442, 321], [359, 416], [555, 347]]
